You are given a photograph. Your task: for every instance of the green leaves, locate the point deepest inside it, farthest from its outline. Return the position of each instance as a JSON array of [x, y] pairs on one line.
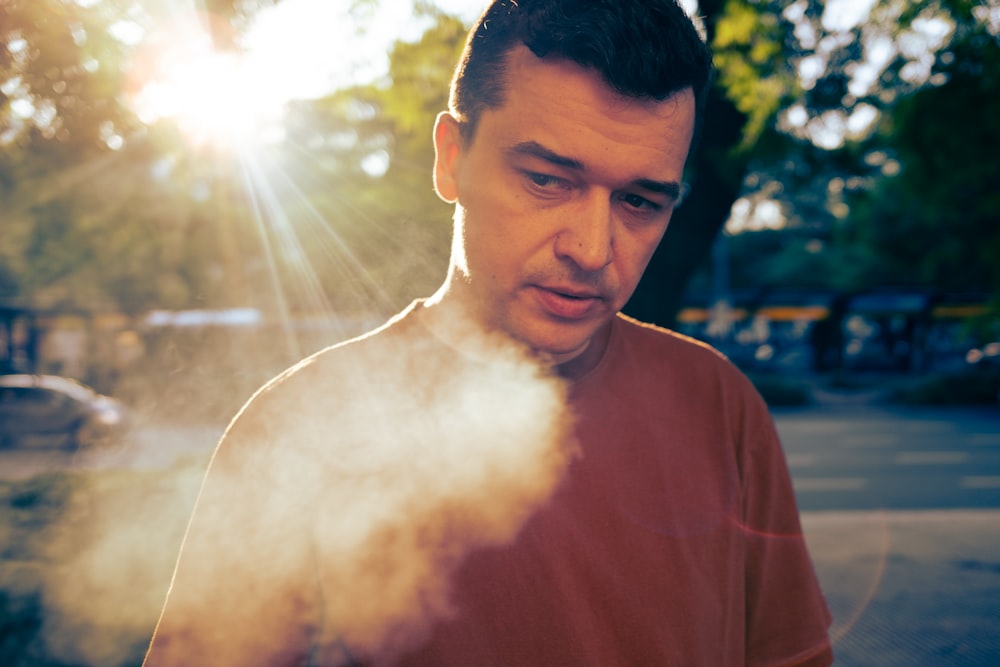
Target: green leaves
[[936, 221], [749, 46]]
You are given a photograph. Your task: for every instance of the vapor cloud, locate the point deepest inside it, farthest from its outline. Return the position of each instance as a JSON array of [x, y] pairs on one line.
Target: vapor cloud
[[349, 491], [472, 447]]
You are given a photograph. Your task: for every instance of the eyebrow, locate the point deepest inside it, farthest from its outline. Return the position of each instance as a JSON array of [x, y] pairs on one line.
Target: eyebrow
[[535, 149], [671, 189]]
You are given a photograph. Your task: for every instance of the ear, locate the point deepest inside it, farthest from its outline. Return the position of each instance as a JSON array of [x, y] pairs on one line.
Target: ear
[[447, 156]]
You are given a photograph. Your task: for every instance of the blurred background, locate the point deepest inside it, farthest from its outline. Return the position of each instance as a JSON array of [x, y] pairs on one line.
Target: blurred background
[[195, 194]]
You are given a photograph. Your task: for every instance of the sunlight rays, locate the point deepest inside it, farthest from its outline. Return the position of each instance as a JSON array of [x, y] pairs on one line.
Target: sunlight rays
[[323, 236], [290, 248], [284, 313], [291, 235]]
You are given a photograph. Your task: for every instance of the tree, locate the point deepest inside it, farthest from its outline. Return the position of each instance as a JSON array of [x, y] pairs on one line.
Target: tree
[[98, 209], [937, 221], [61, 74], [805, 91], [361, 159]]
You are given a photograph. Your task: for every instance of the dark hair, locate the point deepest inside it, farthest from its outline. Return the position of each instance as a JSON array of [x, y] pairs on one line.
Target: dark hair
[[642, 48]]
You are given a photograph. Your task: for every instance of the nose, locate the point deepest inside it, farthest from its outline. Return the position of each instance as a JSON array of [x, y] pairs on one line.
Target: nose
[[587, 238]]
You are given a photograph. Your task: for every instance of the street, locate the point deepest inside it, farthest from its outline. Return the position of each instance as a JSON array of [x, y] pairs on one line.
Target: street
[[870, 458], [900, 510]]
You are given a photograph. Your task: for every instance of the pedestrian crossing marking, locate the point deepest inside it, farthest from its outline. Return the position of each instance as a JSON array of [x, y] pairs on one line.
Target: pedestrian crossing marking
[[980, 482], [873, 440], [800, 459], [930, 458], [829, 483]]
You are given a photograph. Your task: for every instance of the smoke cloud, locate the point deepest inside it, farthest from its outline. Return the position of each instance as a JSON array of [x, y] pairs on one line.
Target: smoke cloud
[[348, 491], [107, 563], [425, 454], [474, 445]]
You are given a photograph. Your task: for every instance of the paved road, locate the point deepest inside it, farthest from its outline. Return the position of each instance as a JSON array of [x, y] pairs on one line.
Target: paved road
[[901, 509], [910, 589], [869, 458]]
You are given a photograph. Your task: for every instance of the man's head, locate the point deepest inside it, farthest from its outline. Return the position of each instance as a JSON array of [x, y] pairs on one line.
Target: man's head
[[564, 163], [640, 48]]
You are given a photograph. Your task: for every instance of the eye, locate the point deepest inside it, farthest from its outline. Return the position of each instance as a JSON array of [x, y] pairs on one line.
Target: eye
[[544, 181], [639, 203]]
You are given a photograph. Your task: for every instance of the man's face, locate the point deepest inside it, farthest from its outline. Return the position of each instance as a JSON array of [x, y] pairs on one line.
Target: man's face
[[561, 197]]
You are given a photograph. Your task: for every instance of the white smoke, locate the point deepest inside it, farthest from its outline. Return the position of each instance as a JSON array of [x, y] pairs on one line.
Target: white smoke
[[473, 447], [111, 556], [453, 454]]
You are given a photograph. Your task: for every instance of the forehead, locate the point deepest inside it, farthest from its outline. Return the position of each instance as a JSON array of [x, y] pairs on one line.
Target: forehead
[[571, 110]]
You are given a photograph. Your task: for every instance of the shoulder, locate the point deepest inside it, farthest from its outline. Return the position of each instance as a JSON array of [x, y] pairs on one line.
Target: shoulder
[[346, 362], [679, 369], [335, 381], [655, 344]]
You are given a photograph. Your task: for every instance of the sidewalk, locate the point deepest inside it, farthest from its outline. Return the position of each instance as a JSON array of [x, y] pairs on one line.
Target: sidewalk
[[910, 589], [906, 588]]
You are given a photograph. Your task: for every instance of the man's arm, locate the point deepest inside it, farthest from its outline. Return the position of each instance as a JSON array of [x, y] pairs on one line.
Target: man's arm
[[822, 659], [786, 612], [243, 591]]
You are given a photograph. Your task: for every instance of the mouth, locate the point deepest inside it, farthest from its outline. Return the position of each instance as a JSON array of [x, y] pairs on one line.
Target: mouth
[[568, 303]]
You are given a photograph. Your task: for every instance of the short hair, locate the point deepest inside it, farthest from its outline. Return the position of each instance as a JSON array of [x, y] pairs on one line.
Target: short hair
[[647, 49]]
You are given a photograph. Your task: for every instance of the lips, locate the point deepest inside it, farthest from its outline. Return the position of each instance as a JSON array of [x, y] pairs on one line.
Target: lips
[[568, 303]]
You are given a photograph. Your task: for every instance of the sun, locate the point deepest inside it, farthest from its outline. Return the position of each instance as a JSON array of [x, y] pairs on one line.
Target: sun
[[215, 98], [204, 98], [290, 50]]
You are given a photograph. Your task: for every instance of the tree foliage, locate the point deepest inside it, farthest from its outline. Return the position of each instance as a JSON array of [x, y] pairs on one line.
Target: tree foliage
[[876, 188], [363, 166], [61, 77], [937, 221], [60, 80]]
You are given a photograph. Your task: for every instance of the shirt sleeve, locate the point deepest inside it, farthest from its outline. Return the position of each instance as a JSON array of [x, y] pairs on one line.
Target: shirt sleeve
[[240, 594], [787, 616]]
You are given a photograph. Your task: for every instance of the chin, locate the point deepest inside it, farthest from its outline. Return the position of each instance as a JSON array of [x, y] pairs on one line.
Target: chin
[[556, 339], [560, 348]]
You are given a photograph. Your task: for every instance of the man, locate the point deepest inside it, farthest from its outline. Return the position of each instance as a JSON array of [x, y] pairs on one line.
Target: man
[[510, 472]]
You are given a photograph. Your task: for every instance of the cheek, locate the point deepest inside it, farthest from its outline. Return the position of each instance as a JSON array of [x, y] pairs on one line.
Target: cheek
[[501, 229], [636, 253], [486, 244]]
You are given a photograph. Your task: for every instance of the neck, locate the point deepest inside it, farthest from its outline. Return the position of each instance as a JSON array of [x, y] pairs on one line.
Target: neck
[[457, 323], [586, 361]]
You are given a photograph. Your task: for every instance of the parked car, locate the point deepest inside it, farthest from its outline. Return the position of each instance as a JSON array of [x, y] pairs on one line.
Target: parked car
[[53, 411]]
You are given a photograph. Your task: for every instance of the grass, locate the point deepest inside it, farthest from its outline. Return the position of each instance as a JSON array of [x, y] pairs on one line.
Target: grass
[[85, 560], [968, 387], [29, 512], [781, 390]]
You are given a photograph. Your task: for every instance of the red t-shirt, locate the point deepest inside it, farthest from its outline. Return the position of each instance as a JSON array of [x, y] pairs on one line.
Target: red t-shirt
[[373, 504], [673, 540]]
